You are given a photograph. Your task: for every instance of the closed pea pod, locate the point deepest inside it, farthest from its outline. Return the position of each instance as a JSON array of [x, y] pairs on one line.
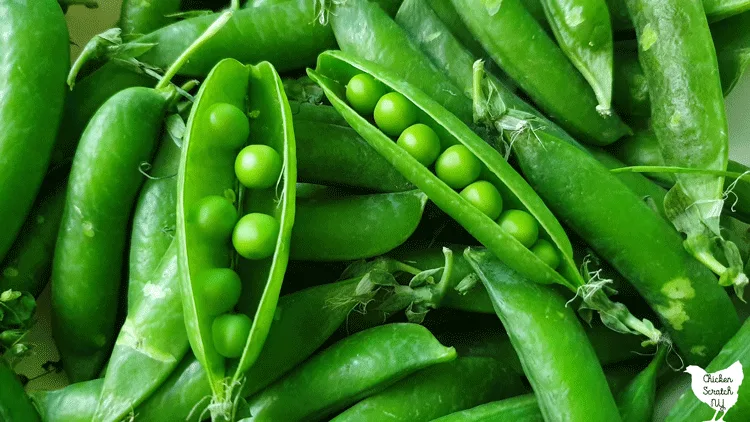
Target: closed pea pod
[[562, 367], [636, 401], [34, 62], [437, 391], [208, 198], [14, 403], [138, 17], [522, 409]]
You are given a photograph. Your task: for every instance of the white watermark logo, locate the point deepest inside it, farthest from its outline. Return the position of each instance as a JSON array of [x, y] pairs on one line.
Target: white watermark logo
[[718, 389]]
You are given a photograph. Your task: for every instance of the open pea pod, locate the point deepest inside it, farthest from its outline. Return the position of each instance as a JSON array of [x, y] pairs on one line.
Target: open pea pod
[[239, 108], [336, 68]]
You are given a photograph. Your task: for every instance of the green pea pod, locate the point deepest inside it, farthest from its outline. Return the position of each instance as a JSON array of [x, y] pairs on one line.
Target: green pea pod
[[85, 99], [437, 391], [27, 265], [583, 31], [518, 409], [636, 402], [569, 383], [328, 382], [685, 114], [32, 68], [447, 14], [522, 48], [153, 219], [333, 154], [74, 403], [690, 407], [207, 168], [336, 68], [138, 17], [14, 404], [350, 227]]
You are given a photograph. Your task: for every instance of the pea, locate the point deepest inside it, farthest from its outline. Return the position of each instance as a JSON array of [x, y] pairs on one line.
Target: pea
[[230, 333], [457, 166], [394, 113], [229, 124], [484, 196], [220, 288], [421, 142], [520, 225], [546, 252], [258, 166], [215, 217], [255, 236], [363, 93]]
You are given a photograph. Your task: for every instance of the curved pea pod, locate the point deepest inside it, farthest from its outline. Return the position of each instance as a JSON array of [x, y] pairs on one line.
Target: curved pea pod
[[636, 401], [436, 391], [333, 154], [73, 403], [583, 31], [336, 68], [206, 169], [351, 227], [521, 409], [690, 407], [14, 404], [153, 219], [521, 47], [554, 351], [27, 265], [138, 17], [349, 370], [32, 79], [102, 189]]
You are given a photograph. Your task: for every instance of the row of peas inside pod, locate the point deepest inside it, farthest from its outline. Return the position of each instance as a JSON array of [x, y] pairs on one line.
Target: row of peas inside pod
[[455, 165], [253, 236]]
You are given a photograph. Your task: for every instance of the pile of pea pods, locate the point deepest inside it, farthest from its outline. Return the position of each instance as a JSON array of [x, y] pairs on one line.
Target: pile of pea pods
[[373, 210]]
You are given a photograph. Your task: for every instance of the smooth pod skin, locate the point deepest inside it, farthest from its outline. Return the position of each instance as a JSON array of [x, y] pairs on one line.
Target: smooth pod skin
[[351, 227], [353, 368], [522, 48], [736, 349], [85, 99], [521, 409], [153, 219], [554, 351], [33, 68], [28, 263], [286, 34], [14, 403], [141, 17], [636, 401], [102, 189], [583, 31], [437, 391]]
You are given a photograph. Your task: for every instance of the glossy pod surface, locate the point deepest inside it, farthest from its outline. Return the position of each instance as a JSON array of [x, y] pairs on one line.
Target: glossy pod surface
[[521, 408]]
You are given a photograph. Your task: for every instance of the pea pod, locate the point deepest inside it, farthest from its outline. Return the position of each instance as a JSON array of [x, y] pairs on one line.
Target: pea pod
[[138, 18], [207, 170], [569, 371], [521, 408], [351, 369], [636, 402], [436, 391], [27, 266], [33, 67], [517, 43], [14, 404], [583, 31], [685, 114], [356, 232], [736, 350]]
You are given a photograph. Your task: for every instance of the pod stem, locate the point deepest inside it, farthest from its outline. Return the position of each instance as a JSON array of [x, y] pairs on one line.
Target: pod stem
[[617, 317], [195, 46]]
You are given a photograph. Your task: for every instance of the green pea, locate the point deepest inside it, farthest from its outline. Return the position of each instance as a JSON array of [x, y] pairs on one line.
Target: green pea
[[485, 196], [546, 252], [215, 217], [229, 124], [394, 113], [457, 166], [363, 93], [421, 142], [220, 289], [255, 236], [230, 333], [521, 225], [258, 166]]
